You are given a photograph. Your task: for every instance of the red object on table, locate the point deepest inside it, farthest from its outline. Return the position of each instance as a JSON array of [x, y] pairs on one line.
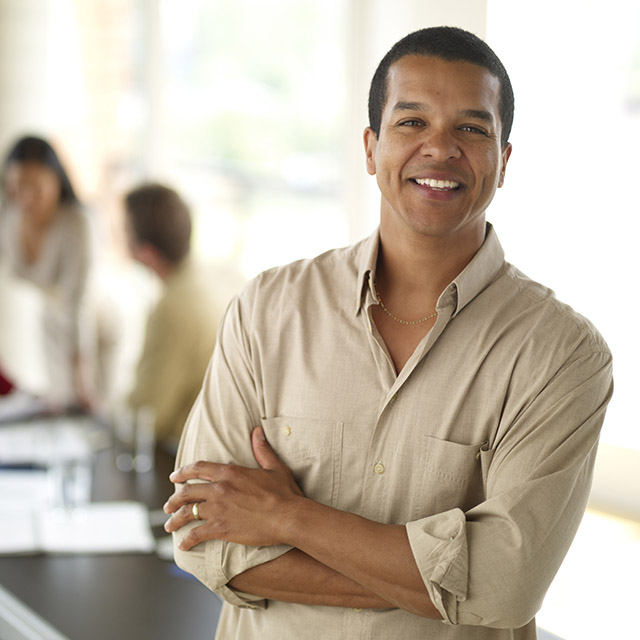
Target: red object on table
[[5, 384]]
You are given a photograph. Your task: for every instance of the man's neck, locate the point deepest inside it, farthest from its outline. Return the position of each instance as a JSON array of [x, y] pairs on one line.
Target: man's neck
[[411, 273], [419, 268]]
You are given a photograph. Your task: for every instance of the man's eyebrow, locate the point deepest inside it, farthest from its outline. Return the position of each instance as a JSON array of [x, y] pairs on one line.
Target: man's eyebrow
[[479, 114], [409, 106]]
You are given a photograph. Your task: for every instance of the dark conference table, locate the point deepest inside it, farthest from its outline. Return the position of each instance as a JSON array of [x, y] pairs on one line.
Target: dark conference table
[[115, 596]]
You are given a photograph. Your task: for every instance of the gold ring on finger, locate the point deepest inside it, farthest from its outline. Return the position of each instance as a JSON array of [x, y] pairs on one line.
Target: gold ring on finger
[[194, 510]]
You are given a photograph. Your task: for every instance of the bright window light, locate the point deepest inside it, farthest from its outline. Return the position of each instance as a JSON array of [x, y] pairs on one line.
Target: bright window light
[[254, 124], [567, 215]]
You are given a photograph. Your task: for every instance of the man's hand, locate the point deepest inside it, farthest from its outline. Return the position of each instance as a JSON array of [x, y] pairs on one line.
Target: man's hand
[[238, 504]]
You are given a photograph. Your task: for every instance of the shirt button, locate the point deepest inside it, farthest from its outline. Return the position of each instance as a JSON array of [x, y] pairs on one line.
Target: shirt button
[[286, 431], [378, 467]]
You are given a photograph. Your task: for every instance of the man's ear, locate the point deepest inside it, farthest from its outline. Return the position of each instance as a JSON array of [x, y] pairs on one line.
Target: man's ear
[[370, 145], [505, 155]]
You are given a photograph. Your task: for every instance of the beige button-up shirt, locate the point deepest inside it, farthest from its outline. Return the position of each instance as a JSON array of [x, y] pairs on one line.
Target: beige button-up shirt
[[483, 445]]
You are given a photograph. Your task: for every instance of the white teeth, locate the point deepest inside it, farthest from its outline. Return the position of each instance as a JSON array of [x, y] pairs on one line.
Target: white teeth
[[438, 184]]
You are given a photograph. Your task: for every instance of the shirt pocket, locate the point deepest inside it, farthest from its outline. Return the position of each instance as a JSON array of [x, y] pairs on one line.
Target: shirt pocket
[[452, 475], [312, 449]]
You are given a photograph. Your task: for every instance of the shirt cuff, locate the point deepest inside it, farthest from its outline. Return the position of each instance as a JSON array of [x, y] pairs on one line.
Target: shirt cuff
[[216, 562], [439, 546], [225, 560]]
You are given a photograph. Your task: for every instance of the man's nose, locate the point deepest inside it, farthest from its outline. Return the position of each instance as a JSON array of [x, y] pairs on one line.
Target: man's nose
[[440, 145]]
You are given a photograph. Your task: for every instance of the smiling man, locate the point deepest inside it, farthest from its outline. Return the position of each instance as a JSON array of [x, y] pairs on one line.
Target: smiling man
[[429, 416]]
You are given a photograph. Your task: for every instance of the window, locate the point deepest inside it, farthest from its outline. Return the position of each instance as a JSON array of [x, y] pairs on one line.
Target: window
[[567, 213], [253, 124]]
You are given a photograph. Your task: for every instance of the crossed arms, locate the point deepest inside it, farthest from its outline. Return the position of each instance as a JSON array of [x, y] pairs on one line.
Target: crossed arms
[[339, 559]]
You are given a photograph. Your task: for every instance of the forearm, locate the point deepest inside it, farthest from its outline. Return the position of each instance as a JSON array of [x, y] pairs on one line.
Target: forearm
[[375, 556], [296, 577]]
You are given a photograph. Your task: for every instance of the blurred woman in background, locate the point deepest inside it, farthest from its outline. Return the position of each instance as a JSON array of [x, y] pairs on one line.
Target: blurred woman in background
[[47, 238]]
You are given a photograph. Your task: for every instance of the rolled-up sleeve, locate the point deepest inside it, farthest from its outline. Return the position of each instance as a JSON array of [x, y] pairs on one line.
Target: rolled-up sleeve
[[219, 430], [216, 562], [492, 565]]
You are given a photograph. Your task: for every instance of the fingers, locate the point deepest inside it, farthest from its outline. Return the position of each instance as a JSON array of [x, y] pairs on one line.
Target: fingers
[[182, 516], [268, 459], [200, 470], [262, 451], [185, 495], [192, 538], [210, 471]]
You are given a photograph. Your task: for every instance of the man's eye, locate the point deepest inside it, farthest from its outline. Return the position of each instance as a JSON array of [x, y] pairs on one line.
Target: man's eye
[[472, 129], [411, 123]]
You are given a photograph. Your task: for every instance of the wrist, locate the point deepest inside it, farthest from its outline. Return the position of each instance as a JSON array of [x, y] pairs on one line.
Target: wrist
[[295, 518]]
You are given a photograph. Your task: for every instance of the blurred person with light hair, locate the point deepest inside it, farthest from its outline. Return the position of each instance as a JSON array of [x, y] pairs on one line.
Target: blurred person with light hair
[[181, 329], [48, 238]]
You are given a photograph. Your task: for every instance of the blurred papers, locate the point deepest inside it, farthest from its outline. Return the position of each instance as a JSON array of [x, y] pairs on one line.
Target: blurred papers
[[21, 493], [101, 527], [28, 525], [44, 442], [19, 405]]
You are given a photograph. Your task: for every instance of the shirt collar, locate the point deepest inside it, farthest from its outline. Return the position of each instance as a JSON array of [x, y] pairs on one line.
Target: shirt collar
[[366, 258], [474, 278], [477, 275]]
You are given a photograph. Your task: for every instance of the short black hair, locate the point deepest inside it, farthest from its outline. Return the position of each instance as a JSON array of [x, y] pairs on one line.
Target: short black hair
[[34, 149], [448, 43], [161, 218]]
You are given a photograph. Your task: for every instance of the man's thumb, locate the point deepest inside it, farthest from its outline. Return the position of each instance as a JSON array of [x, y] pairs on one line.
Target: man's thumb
[[263, 453]]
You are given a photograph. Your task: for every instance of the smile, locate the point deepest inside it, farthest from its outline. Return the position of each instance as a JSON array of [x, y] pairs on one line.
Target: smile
[[438, 185]]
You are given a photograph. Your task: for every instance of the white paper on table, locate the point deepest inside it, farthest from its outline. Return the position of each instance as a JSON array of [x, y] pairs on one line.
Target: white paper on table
[[43, 442], [28, 525], [19, 405], [22, 493], [100, 527], [18, 533]]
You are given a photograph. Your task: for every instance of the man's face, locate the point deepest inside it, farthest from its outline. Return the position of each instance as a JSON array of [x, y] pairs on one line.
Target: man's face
[[438, 159]]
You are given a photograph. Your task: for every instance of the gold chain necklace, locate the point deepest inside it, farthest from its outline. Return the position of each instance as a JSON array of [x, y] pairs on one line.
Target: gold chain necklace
[[400, 320]]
